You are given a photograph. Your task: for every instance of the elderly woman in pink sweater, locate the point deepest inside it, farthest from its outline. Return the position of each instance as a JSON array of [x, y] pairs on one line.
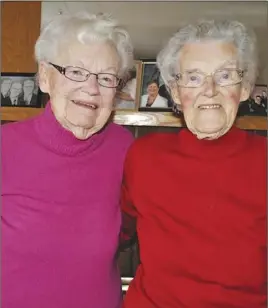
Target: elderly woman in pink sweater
[[62, 170]]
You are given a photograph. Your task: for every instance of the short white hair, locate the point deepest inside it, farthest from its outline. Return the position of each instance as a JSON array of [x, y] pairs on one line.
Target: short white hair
[[228, 31], [85, 28]]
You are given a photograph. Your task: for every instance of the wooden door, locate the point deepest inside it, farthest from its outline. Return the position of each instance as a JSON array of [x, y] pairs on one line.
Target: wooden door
[[20, 23]]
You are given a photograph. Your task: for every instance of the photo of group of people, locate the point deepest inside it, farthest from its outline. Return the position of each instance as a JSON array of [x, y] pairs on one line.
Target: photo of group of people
[[256, 105], [19, 90]]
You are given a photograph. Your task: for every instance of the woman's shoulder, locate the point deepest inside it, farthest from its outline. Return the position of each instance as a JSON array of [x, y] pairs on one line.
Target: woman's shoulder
[[161, 98], [119, 134], [153, 142], [256, 141], [13, 134], [16, 128]]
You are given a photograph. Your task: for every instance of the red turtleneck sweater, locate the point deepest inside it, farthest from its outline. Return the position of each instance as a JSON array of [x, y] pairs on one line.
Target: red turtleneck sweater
[[200, 207]]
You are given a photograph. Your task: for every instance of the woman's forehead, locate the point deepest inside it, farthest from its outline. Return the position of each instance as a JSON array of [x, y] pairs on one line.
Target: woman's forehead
[[90, 55], [209, 53]]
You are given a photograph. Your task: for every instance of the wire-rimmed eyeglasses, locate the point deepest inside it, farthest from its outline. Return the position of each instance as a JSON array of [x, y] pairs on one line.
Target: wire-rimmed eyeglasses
[[80, 74], [222, 77]]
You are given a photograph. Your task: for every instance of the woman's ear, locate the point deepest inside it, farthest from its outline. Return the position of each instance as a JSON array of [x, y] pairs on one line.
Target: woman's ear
[[43, 77], [245, 92]]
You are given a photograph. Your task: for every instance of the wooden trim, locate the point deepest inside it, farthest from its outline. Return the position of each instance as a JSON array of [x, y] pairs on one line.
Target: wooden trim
[[18, 113], [135, 118]]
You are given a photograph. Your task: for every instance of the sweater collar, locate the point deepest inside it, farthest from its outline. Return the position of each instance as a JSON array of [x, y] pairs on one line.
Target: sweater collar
[[60, 140], [227, 145]]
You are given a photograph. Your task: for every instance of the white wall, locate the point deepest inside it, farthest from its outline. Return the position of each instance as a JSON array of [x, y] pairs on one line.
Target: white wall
[[151, 23]]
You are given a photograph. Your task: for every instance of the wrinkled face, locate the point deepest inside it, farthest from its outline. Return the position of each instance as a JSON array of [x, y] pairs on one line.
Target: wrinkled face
[[28, 87], [81, 107], [16, 89], [152, 89], [5, 86], [210, 109]]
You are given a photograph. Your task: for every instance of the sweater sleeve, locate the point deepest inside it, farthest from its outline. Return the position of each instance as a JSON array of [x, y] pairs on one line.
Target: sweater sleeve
[[128, 210]]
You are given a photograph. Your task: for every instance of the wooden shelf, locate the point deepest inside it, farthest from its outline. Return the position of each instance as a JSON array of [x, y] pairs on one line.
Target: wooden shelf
[[135, 118]]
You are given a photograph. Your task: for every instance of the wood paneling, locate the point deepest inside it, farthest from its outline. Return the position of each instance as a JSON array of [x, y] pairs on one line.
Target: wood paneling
[[20, 23]]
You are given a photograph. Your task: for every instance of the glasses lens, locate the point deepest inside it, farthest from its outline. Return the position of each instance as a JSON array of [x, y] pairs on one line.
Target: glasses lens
[[76, 74], [191, 79], [108, 80], [227, 77]]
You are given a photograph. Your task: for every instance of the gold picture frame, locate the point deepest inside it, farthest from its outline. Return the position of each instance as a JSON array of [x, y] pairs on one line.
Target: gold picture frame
[[128, 92]]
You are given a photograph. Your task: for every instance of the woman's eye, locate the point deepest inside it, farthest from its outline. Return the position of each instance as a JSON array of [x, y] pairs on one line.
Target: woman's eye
[[193, 78], [108, 79], [225, 75], [76, 72]]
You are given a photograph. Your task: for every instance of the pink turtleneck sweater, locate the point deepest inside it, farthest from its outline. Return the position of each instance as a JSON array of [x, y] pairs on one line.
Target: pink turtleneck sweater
[[60, 215]]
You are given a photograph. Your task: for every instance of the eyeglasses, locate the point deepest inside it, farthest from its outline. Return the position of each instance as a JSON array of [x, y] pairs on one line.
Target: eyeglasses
[[80, 74], [223, 77]]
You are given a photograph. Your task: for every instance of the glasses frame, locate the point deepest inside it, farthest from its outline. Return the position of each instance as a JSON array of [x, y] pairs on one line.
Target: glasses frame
[[239, 71], [62, 70]]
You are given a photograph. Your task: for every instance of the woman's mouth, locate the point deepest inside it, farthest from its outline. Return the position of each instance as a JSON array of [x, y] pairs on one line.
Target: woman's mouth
[[210, 106], [85, 104]]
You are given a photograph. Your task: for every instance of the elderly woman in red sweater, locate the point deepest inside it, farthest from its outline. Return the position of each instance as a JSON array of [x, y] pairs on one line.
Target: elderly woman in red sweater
[[199, 196]]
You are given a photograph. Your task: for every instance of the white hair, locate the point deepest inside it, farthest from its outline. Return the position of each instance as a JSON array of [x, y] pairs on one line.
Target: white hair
[[85, 28], [228, 31]]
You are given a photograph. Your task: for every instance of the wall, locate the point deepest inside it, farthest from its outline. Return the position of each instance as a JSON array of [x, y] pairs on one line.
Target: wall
[[150, 24]]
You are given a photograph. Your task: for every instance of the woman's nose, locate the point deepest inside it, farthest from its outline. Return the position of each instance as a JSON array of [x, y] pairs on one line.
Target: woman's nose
[[92, 85], [210, 86]]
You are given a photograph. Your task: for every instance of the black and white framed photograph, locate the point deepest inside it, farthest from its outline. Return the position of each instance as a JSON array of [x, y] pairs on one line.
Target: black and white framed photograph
[[128, 91], [153, 95], [19, 90], [256, 105]]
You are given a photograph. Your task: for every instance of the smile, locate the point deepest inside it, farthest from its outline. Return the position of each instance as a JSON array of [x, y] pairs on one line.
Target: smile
[[85, 104], [214, 106]]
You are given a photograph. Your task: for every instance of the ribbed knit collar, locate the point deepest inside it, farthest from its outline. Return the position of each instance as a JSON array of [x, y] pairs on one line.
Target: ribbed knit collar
[[227, 145], [60, 140]]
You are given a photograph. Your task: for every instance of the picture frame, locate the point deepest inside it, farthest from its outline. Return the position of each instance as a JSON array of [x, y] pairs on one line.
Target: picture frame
[[128, 91], [153, 94], [256, 105], [19, 90]]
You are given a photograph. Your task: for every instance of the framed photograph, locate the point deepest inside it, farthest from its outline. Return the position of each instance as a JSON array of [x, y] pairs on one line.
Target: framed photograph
[[154, 96], [256, 105], [19, 90], [128, 92]]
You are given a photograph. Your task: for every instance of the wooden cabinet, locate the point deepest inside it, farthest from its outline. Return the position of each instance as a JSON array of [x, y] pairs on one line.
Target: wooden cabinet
[[20, 23]]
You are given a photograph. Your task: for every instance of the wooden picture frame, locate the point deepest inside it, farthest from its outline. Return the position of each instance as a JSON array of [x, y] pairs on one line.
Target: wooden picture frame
[[20, 90], [128, 92], [153, 95]]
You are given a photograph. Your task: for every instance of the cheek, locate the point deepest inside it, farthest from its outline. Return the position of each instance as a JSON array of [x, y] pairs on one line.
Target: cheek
[[61, 88], [234, 97], [187, 98], [108, 98]]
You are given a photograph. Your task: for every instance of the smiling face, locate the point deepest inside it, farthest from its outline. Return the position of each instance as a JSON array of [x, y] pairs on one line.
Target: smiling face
[[81, 107], [5, 86], [152, 89], [15, 90], [209, 110], [28, 87]]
